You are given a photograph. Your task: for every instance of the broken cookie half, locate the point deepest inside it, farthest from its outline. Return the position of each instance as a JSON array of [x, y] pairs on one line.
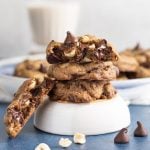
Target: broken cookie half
[[26, 100]]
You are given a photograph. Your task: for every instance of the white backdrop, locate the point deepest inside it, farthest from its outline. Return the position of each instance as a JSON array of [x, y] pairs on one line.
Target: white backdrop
[[123, 22]]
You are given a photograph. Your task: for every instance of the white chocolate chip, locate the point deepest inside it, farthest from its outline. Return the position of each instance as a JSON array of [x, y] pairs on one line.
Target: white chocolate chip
[[27, 102], [102, 46], [85, 39], [79, 138], [86, 59], [92, 46], [65, 142], [33, 84], [42, 146], [70, 54]]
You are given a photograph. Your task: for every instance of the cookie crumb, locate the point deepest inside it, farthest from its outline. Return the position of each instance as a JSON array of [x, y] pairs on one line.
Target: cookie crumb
[[42, 146], [79, 138], [65, 142]]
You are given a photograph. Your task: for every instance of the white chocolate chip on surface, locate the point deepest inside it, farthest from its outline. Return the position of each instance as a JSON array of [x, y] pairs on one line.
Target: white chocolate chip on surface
[[65, 142], [79, 138], [42, 146]]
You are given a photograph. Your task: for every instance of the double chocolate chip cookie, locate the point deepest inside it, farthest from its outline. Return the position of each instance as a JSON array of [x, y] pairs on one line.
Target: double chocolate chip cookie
[[88, 71], [85, 48], [83, 69], [82, 91], [26, 100], [32, 69]]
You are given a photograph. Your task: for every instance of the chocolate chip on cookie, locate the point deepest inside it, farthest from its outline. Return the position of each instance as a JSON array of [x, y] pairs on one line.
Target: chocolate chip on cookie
[[86, 48], [26, 100], [84, 71], [82, 91]]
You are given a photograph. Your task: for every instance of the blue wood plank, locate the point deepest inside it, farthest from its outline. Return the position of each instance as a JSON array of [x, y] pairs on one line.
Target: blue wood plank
[[30, 136]]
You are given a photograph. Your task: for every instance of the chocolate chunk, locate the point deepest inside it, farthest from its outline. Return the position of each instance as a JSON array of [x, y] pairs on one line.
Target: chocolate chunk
[[122, 137], [70, 39], [81, 56], [53, 59], [140, 131], [36, 91], [16, 115]]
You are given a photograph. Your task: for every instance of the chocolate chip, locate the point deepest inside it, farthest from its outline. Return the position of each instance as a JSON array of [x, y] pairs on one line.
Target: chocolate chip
[[42, 68], [36, 91], [16, 115], [122, 137], [81, 55], [52, 58], [140, 131], [137, 47], [56, 50], [70, 39], [99, 54]]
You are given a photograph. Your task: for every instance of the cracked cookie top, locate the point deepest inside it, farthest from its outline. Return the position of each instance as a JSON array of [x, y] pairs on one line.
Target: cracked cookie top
[[81, 49]]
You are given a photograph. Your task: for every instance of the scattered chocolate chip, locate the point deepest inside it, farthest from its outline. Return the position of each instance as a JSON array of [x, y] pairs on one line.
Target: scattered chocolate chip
[[70, 39], [140, 131], [122, 137]]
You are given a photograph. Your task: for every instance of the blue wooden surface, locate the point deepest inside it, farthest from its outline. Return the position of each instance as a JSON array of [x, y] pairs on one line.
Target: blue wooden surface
[[30, 136]]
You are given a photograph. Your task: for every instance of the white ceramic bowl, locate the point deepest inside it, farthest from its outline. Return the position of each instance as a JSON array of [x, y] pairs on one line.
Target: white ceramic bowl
[[103, 116]]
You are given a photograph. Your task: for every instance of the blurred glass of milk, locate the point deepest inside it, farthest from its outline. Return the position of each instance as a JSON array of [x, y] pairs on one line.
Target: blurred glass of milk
[[51, 19]]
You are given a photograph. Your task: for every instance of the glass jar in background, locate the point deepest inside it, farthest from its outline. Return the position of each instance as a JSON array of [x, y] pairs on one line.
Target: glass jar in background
[[50, 20], [15, 33]]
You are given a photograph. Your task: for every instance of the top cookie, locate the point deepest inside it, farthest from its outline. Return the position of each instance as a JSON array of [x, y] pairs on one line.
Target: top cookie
[[86, 48]]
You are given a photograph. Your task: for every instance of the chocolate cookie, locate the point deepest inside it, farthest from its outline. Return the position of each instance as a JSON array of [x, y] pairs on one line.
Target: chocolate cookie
[[90, 71], [140, 54], [27, 99], [32, 69], [86, 48], [142, 72], [127, 63], [82, 91], [143, 58]]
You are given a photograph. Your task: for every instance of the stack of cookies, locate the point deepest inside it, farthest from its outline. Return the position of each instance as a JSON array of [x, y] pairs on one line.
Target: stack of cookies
[[82, 67], [80, 72]]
